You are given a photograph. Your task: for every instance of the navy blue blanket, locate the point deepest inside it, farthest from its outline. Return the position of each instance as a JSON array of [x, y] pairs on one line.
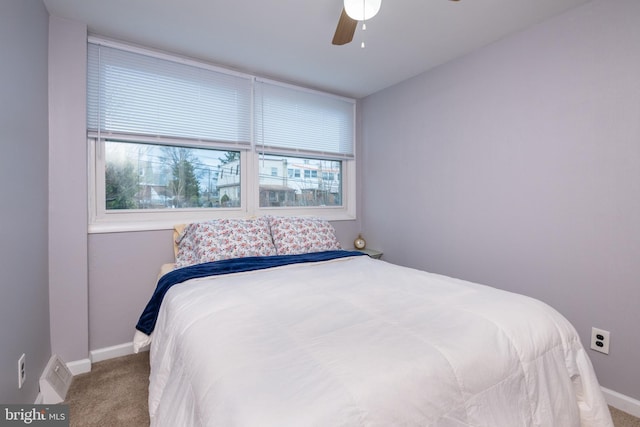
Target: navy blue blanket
[[147, 320]]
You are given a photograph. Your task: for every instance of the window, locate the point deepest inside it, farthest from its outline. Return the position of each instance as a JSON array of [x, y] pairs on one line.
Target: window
[[294, 173], [146, 176], [174, 140], [294, 191], [310, 173]]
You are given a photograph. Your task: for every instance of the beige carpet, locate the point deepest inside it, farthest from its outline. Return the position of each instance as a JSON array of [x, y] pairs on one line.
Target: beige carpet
[[114, 394]]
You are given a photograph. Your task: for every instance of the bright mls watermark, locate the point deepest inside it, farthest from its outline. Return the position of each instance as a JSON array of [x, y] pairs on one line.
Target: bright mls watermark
[[34, 415]]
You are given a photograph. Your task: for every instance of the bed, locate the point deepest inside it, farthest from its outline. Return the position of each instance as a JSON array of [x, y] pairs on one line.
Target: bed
[[319, 336]]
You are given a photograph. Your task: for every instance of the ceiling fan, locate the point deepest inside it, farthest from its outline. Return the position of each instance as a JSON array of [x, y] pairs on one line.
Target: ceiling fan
[[352, 12]]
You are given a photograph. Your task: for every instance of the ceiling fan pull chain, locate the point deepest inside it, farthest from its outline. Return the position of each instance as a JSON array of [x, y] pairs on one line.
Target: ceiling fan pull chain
[[364, 27], [364, 21]]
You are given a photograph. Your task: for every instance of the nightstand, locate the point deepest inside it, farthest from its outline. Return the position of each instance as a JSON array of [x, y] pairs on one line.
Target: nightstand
[[371, 252]]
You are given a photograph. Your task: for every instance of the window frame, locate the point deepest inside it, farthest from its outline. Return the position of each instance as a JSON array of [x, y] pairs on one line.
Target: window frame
[[101, 220]]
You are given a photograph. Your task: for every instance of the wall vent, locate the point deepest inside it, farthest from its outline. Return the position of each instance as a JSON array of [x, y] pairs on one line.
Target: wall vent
[[55, 381]]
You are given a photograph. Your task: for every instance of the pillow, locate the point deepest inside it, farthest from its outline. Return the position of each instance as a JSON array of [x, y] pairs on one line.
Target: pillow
[[298, 235], [223, 239], [183, 245], [178, 233]]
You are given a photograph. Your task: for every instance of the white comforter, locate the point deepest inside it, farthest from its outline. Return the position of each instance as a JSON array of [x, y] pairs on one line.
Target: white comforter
[[361, 342]]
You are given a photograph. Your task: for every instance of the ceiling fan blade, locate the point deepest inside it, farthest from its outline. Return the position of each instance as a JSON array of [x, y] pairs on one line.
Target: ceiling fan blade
[[345, 29]]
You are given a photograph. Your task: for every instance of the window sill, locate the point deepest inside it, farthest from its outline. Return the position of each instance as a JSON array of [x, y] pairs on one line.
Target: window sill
[[128, 226]]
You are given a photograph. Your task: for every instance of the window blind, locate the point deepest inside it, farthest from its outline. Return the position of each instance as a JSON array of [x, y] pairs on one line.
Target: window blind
[[297, 121], [131, 93]]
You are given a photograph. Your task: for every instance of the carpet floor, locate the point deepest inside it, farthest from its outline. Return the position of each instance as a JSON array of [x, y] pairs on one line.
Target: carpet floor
[[115, 394]]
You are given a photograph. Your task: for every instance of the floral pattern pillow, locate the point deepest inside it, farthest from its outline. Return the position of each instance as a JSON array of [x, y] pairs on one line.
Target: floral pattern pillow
[[298, 235], [185, 254], [223, 239]]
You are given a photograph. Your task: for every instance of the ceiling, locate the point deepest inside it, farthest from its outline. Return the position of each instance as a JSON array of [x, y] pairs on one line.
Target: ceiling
[[290, 40]]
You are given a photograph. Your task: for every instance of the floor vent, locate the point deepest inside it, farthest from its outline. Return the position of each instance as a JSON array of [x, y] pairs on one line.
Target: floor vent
[[55, 381]]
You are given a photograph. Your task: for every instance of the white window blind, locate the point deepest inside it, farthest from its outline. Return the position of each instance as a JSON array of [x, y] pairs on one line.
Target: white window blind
[[134, 94], [297, 121]]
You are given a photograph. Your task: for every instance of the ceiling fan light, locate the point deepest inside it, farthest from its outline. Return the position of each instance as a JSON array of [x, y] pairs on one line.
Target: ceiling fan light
[[361, 10]]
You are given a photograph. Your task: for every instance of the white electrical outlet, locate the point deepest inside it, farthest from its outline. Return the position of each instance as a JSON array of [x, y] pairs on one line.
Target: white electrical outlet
[[22, 373], [600, 340]]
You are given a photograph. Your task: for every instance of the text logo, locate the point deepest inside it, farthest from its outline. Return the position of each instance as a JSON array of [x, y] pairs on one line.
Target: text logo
[[34, 415]]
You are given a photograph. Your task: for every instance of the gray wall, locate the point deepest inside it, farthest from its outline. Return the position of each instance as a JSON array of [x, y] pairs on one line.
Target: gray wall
[[518, 166], [122, 274], [24, 309], [68, 282]]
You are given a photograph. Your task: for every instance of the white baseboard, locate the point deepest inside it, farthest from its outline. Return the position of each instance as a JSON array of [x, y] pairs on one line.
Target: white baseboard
[[81, 366], [111, 352], [114, 351], [620, 401], [84, 365]]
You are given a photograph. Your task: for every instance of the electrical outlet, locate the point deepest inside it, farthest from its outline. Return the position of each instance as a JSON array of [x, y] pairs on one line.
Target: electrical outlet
[[22, 373], [600, 340]]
